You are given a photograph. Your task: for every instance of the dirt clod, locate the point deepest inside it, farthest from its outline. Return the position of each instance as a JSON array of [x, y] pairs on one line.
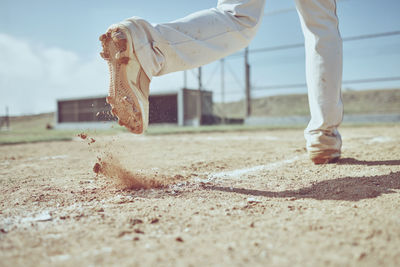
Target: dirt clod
[[135, 221], [154, 220], [97, 168], [83, 136], [362, 256], [121, 234]]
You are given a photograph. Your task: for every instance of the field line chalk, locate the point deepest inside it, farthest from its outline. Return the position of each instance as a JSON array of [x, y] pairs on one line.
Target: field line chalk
[[237, 173]]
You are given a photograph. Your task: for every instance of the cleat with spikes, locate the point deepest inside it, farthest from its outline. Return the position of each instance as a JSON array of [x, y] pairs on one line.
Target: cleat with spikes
[[129, 85]]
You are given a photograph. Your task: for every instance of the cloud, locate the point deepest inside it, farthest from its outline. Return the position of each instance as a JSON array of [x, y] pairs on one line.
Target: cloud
[[33, 77]]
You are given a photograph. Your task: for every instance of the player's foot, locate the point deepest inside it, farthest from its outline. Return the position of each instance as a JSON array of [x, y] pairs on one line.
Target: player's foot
[[129, 85], [325, 156]]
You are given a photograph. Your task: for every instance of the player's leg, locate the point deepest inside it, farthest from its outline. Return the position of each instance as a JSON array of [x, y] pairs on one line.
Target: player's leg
[[323, 46], [135, 47], [197, 39]]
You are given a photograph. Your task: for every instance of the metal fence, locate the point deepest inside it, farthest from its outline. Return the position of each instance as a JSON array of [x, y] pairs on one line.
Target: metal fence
[[238, 83]]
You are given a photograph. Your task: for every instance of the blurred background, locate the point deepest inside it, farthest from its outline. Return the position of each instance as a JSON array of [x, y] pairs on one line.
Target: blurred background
[[49, 50]]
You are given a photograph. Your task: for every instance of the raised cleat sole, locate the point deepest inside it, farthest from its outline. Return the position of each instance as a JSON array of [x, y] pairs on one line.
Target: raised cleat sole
[[123, 101]]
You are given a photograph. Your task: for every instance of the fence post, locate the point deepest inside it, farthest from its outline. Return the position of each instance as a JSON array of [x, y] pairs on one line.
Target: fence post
[[223, 89], [7, 118], [199, 98], [247, 79]]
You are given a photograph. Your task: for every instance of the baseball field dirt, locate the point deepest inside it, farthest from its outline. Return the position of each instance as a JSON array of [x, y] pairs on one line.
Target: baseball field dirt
[[204, 199]]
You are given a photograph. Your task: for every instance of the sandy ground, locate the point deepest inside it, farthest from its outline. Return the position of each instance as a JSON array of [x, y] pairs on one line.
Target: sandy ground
[[242, 198]]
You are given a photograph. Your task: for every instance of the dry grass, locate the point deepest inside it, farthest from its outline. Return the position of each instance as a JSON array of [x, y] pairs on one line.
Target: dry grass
[[355, 102]]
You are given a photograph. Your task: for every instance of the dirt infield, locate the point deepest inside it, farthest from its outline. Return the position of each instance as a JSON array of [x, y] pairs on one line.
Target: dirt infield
[[238, 198]]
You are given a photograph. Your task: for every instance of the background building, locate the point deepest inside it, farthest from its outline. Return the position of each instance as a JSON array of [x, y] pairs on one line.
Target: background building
[[181, 107]]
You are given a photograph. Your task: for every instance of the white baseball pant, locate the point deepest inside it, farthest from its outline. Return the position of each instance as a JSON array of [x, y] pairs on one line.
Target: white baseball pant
[[209, 35]]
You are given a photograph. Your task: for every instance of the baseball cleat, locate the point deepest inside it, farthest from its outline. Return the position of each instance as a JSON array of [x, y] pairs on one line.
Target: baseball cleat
[[129, 85], [324, 157]]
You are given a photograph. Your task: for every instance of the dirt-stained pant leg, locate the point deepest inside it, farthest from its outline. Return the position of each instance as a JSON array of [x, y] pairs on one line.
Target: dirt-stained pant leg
[[197, 39], [323, 46]]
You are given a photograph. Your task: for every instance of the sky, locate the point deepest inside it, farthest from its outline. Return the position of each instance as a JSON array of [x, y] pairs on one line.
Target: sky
[[49, 49]]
